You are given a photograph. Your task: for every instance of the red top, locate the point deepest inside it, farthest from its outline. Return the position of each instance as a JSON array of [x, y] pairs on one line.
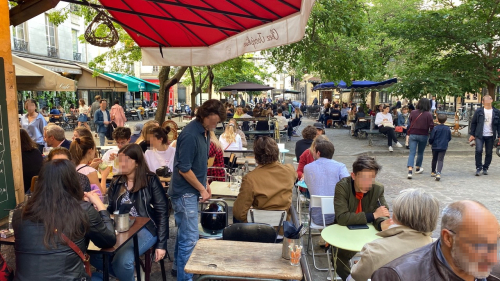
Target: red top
[[305, 159], [218, 162]]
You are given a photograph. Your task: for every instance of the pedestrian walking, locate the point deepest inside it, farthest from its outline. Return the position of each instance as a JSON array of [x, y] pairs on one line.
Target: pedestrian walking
[[439, 139], [83, 114], [484, 128], [421, 123], [189, 180], [102, 120], [117, 114], [93, 108]]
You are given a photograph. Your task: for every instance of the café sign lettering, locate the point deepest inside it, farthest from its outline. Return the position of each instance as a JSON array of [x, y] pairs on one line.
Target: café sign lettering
[[261, 38], [64, 86]]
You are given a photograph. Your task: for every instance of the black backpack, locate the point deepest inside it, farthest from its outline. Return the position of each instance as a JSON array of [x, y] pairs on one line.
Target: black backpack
[[109, 132]]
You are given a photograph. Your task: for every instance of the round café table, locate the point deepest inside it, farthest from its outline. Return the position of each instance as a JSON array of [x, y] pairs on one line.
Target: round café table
[[282, 154], [342, 237]]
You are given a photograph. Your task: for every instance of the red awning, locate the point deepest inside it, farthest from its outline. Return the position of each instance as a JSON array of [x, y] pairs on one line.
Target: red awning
[[189, 30]]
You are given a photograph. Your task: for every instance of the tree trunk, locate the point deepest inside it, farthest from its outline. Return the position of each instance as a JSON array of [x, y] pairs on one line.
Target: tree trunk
[[351, 96], [210, 81], [165, 84], [491, 90], [193, 91], [373, 96]]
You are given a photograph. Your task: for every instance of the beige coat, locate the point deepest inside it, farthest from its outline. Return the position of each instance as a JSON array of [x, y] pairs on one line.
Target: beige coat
[[396, 242], [267, 187]]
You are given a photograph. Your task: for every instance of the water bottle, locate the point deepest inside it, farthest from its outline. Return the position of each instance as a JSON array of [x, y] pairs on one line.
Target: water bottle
[[246, 168]]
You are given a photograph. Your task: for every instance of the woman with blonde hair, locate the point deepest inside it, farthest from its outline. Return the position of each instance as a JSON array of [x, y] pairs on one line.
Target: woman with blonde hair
[[230, 139], [239, 112], [82, 152], [216, 173], [83, 111], [239, 132]]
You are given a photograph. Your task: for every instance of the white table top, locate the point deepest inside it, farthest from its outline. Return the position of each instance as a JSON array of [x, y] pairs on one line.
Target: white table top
[[353, 240], [220, 188]]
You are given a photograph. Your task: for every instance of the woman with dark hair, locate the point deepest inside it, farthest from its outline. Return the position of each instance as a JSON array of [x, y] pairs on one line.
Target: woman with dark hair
[[421, 124], [117, 114], [63, 153], [34, 122], [269, 185], [159, 153], [55, 215], [83, 114], [308, 135], [140, 193], [385, 125], [32, 159]]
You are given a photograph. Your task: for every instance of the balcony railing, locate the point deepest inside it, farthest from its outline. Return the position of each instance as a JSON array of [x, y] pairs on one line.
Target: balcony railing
[[20, 45], [77, 56], [52, 52]]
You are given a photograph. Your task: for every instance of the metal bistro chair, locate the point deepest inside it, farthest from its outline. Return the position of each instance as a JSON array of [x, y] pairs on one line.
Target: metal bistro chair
[[250, 232], [213, 217], [274, 218], [326, 205]]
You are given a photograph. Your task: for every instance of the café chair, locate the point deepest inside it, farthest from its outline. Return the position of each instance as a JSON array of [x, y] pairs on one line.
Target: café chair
[[250, 232], [148, 261], [33, 183], [274, 218], [336, 120], [326, 205]]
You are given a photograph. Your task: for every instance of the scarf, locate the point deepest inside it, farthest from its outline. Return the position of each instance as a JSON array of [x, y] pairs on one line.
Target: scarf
[[359, 196]]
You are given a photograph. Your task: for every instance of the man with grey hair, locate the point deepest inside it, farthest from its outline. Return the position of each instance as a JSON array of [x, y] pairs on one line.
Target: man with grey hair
[[54, 137], [466, 250]]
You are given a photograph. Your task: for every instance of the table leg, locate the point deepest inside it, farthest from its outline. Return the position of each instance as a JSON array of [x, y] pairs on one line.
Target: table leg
[[137, 258], [105, 267], [335, 264]]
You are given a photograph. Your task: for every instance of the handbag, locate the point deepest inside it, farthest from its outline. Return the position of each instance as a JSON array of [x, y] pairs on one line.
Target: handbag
[[85, 257], [398, 129], [6, 273]]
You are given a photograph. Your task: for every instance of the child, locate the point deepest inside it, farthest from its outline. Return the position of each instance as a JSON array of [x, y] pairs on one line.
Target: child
[[440, 136]]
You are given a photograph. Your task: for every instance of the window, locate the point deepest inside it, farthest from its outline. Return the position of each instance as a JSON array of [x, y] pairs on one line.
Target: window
[[18, 32], [156, 68], [74, 39], [19, 36], [383, 97], [50, 32]]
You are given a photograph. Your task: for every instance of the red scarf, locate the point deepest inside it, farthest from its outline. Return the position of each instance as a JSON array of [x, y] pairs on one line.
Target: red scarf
[[359, 196]]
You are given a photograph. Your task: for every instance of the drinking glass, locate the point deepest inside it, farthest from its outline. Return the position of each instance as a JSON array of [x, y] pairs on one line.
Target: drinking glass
[[111, 164], [105, 200], [46, 150], [11, 214], [233, 183]]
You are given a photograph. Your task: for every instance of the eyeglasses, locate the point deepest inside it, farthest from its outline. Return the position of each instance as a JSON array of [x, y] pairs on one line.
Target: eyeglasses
[[481, 248]]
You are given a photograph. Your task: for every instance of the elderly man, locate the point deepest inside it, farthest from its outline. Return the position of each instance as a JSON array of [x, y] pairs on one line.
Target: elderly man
[[54, 137], [359, 200], [467, 249]]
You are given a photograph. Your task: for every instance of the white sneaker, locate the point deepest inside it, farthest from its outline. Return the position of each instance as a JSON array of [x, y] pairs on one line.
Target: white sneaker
[[398, 144], [419, 171], [390, 149]]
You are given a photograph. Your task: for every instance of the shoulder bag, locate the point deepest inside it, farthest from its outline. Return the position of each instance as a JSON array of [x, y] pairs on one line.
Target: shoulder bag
[[85, 257], [412, 123]]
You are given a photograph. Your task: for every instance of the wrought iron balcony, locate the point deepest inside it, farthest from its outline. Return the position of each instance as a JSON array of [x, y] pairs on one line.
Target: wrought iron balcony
[[77, 56], [20, 45], [52, 52]]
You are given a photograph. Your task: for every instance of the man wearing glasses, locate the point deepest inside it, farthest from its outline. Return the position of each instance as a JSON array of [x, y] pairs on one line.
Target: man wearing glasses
[[466, 250], [484, 128]]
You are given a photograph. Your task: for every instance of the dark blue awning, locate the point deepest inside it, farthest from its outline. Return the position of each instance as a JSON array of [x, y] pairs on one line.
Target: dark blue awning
[[364, 84]]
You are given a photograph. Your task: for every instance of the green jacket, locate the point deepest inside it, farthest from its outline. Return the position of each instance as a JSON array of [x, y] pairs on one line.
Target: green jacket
[[345, 204]]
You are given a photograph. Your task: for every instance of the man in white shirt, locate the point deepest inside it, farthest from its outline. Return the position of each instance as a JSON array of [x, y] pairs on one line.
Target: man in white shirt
[[122, 137], [484, 128], [433, 105]]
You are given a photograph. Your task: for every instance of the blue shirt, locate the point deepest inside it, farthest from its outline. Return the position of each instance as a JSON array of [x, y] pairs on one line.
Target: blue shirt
[[35, 128], [191, 154]]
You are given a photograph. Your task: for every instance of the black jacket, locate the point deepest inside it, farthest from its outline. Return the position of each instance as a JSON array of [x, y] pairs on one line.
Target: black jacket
[[301, 146], [477, 123], [420, 264], [150, 202], [440, 136], [35, 262]]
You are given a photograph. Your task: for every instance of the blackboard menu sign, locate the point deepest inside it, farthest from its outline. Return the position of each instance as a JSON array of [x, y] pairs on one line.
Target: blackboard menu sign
[[7, 192]]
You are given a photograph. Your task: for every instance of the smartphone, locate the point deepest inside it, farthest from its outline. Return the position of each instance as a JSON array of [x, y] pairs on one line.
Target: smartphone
[[357, 226]]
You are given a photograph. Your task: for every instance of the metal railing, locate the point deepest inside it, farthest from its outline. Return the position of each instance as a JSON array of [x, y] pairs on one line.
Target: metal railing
[[77, 56], [52, 52], [20, 45]]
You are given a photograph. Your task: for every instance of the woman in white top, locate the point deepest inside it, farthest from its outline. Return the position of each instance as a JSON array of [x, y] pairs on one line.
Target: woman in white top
[[385, 125], [160, 153], [82, 152], [83, 111], [239, 132], [230, 140]]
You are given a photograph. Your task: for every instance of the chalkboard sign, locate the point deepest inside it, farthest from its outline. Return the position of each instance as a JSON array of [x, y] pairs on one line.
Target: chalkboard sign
[[7, 192]]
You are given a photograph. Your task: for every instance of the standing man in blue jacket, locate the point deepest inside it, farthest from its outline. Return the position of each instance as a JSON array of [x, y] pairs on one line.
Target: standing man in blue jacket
[[484, 128], [102, 120]]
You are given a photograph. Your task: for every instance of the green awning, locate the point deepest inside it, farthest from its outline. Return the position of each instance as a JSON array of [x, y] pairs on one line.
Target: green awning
[[134, 84]]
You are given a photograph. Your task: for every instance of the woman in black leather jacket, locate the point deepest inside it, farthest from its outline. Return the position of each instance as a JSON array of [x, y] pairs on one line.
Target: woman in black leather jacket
[[139, 192], [57, 203]]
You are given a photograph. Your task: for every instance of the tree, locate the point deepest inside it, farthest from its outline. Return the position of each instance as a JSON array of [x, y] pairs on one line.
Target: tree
[[455, 43]]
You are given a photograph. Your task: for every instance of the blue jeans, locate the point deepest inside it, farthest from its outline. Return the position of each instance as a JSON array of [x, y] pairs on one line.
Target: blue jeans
[[186, 217], [487, 143], [102, 138], [122, 264], [417, 141]]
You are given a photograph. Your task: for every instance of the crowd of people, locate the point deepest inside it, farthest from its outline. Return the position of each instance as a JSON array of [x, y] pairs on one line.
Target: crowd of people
[[62, 209]]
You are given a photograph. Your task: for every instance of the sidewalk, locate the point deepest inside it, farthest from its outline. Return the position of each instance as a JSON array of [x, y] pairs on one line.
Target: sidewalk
[[346, 145]]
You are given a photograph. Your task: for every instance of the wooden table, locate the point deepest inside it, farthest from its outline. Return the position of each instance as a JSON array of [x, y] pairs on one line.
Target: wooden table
[[121, 239], [220, 188], [251, 161], [220, 258], [352, 240]]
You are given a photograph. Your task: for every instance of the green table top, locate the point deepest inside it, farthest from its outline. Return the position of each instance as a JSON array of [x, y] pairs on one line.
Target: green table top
[[352, 240]]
